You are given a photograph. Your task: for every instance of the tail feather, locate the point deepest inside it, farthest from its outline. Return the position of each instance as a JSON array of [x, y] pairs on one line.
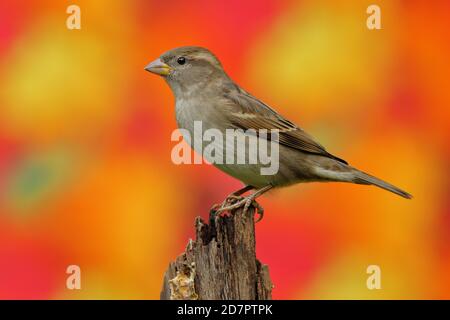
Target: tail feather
[[364, 178]]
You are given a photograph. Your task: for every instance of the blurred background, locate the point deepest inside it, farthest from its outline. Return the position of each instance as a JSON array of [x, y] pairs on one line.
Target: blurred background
[[86, 176]]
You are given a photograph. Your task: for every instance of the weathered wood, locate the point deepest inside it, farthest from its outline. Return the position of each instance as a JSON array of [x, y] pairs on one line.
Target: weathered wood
[[220, 264]]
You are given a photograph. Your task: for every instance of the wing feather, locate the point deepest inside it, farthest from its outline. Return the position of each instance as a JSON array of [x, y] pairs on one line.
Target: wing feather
[[247, 112]]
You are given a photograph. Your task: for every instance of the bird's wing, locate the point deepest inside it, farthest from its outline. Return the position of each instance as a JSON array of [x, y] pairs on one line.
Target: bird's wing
[[247, 112]]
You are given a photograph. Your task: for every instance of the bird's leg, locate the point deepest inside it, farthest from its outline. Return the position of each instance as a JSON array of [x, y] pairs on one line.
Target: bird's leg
[[232, 197], [247, 202]]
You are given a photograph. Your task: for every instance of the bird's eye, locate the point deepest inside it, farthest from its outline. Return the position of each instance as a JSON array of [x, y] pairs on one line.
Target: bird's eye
[[181, 60]]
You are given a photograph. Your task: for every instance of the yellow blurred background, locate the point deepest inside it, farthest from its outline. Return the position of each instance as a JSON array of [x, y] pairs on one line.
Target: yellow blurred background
[[86, 176]]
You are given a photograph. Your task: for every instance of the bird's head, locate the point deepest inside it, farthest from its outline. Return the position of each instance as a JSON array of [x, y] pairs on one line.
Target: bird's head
[[187, 68]]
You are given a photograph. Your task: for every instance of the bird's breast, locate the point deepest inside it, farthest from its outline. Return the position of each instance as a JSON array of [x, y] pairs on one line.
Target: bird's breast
[[190, 119], [187, 112]]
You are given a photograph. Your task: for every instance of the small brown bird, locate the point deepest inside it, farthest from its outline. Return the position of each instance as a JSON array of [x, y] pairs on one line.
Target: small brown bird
[[205, 93]]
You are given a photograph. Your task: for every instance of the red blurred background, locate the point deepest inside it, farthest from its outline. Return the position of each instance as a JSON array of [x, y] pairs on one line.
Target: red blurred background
[[86, 176]]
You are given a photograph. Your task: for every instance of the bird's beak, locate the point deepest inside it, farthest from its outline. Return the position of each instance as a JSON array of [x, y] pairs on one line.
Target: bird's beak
[[158, 67]]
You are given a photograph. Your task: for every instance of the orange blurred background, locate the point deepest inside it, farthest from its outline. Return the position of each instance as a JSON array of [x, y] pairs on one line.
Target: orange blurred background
[[86, 176]]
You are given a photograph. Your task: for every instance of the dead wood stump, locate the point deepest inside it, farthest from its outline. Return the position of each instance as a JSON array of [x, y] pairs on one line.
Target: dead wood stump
[[220, 264]]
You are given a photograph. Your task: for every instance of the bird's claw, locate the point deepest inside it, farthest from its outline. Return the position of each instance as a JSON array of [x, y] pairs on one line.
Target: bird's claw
[[259, 210]]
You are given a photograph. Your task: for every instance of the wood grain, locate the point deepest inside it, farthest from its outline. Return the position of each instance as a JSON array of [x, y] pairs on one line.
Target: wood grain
[[220, 264]]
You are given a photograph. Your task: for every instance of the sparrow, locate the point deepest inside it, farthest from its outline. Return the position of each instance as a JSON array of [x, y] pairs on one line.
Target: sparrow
[[204, 92]]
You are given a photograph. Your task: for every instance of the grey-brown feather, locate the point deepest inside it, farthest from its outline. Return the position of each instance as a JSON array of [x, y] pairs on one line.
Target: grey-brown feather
[[204, 92]]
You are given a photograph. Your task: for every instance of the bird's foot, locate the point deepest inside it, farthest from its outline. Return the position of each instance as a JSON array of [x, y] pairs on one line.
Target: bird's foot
[[234, 202], [221, 208]]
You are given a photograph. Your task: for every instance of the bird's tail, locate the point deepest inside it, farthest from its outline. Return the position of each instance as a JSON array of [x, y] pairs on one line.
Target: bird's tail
[[364, 178]]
